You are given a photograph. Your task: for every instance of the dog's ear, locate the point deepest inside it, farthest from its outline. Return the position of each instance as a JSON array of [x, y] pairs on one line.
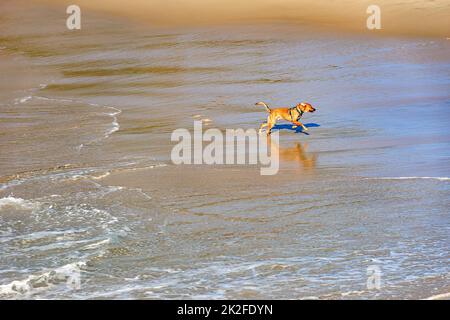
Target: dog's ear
[[303, 104]]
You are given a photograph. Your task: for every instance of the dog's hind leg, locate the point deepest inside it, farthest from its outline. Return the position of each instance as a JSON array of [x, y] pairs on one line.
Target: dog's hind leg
[[270, 124], [265, 124]]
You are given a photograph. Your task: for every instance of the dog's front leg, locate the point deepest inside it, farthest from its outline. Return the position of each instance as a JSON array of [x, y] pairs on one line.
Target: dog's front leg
[[298, 123]]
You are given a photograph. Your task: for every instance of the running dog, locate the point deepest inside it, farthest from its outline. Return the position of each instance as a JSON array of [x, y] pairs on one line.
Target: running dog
[[290, 114]]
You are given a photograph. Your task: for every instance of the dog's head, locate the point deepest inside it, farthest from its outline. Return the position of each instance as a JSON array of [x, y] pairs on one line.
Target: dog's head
[[305, 107]]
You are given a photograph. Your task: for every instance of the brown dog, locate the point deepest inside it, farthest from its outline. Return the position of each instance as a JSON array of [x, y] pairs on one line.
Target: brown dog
[[289, 114]]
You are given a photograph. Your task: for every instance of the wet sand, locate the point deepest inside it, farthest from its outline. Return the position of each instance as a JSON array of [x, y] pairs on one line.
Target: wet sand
[[87, 185]]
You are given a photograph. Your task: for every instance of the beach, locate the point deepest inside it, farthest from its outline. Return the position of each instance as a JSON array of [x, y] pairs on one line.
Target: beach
[[88, 190]]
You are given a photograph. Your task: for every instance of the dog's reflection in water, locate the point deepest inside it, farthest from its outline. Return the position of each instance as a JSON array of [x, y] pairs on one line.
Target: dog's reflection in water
[[297, 153]]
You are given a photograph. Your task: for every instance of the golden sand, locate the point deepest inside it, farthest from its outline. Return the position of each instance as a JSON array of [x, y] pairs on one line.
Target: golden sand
[[407, 17]]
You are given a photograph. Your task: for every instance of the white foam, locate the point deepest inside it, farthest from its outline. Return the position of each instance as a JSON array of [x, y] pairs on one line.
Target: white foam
[[54, 99], [23, 99], [351, 293], [153, 166], [115, 122], [410, 178], [96, 244], [17, 203], [115, 127], [68, 274], [439, 296], [101, 176], [139, 190], [310, 298]]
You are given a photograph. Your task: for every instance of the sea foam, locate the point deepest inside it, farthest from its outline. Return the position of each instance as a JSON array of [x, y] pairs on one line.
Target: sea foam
[[411, 178], [17, 203], [69, 275]]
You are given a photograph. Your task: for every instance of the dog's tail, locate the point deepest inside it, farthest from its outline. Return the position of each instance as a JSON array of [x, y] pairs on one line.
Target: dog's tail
[[263, 104]]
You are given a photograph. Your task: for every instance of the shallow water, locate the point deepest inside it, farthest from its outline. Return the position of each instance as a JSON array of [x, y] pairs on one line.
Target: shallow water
[[87, 185]]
